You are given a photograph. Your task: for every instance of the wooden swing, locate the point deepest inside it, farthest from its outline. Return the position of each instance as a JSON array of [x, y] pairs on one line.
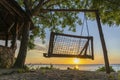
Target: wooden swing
[[104, 48], [66, 45]]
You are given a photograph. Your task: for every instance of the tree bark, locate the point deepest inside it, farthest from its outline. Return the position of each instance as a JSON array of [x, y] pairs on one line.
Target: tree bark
[[20, 61]]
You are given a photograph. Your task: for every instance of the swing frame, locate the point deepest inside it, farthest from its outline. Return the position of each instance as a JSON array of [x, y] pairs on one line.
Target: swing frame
[[88, 38], [104, 48]]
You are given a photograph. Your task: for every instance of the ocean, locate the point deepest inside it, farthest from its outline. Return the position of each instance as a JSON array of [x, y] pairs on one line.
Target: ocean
[[85, 67]]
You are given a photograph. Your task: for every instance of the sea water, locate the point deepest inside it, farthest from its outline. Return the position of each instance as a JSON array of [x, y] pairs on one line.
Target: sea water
[[85, 67]]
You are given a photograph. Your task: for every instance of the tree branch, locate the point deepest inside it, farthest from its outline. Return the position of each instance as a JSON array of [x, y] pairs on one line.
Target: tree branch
[[27, 7], [54, 4], [36, 10], [30, 5], [113, 2], [46, 2]]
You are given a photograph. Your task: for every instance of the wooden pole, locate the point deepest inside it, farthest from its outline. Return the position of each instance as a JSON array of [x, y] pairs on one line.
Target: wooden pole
[[103, 43], [6, 40], [67, 10]]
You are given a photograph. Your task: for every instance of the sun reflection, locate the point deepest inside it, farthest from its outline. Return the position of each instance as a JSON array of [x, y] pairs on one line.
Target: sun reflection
[[77, 67], [76, 60]]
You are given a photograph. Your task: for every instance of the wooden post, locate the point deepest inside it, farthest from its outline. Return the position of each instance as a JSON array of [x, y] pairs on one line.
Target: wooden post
[[103, 43], [6, 40], [14, 36]]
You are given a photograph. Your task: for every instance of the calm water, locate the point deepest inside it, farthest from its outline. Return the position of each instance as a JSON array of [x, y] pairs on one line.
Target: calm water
[[87, 67]]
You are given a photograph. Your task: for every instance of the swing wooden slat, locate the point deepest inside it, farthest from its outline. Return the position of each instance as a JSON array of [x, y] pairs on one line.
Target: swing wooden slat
[[66, 55]]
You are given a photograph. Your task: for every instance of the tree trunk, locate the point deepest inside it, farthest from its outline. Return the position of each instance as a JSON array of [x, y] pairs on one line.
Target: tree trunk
[[20, 61]]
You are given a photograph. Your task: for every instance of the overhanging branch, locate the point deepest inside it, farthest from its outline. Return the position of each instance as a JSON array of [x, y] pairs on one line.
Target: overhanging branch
[[54, 4], [68, 10], [36, 10], [46, 2]]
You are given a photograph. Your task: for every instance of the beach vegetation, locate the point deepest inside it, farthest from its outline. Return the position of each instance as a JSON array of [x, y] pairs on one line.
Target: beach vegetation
[[23, 70], [75, 68], [51, 67], [68, 68], [42, 20], [118, 76], [103, 69], [46, 67], [111, 77]]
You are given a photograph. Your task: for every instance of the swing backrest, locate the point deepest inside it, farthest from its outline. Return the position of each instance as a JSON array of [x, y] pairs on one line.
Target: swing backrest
[[65, 45]]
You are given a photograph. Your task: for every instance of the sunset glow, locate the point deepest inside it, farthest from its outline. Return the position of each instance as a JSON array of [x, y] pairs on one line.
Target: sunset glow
[[35, 56], [77, 67], [76, 60]]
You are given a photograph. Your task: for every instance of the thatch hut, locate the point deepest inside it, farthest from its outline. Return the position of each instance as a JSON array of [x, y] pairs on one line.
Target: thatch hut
[[12, 20]]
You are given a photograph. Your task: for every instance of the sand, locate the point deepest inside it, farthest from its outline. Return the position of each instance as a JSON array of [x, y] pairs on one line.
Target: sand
[[56, 75]]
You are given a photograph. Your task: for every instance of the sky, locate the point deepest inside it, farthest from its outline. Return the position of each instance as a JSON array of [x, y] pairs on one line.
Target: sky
[[112, 38]]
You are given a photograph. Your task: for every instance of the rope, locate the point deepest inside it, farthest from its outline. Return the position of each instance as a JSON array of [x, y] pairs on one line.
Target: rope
[[83, 24], [82, 27], [81, 33], [86, 23], [87, 31]]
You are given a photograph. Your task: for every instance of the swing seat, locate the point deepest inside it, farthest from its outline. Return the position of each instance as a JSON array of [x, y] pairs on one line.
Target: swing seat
[[70, 46]]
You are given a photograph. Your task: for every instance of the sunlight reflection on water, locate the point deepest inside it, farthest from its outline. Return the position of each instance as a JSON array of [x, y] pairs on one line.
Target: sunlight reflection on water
[[86, 67]]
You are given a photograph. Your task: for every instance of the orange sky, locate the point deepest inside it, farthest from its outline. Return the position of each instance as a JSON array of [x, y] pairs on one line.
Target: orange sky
[[112, 39], [36, 57]]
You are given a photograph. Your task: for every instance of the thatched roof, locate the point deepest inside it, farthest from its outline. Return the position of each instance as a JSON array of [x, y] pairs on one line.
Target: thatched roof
[[10, 13]]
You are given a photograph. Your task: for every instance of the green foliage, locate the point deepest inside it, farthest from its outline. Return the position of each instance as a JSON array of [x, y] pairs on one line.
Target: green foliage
[[45, 67], [119, 71], [103, 69], [68, 68], [26, 68], [31, 44], [23, 70], [75, 68], [111, 77], [57, 21], [109, 11], [48, 67], [118, 75]]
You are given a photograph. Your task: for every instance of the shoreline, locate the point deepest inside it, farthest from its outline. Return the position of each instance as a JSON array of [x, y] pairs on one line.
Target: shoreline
[[64, 64], [85, 67]]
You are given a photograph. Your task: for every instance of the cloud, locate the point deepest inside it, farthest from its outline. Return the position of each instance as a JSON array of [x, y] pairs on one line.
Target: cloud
[[40, 48]]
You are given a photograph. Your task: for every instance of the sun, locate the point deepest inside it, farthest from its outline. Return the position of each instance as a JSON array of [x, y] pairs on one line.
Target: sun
[[76, 60]]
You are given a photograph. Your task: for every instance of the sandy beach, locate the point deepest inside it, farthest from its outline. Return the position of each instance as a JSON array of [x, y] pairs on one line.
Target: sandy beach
[[57, 75]]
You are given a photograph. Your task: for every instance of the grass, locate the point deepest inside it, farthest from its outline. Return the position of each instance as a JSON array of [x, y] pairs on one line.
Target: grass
[[118, 75], [103, 69]]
